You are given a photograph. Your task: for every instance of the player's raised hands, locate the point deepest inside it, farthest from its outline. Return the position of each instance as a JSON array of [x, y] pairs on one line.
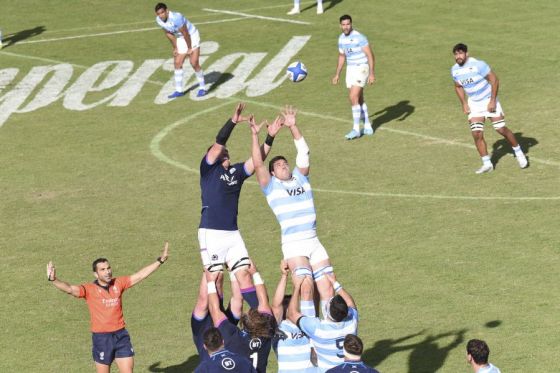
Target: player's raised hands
[[165, 252], [284, 267], [273, 128], [289, 115], [236, 117], [256, 128], [51, 271]]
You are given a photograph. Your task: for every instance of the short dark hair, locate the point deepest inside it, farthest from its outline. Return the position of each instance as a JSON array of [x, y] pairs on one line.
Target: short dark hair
[[274, 160], [338, 308], [479, 351], [353, 344], [96, 262], [344, 18], [212, 339], [460, 47], [160, 6]]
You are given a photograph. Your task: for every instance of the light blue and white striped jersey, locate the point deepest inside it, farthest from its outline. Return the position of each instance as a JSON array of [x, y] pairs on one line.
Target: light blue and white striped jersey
[[351, 45], [327, 337], [471, 76], [489, 369], [293, 350], [174, 22], [292, 203]]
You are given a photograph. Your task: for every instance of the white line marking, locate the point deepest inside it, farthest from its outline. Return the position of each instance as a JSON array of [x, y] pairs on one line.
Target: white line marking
[[158, 153], [117, 32], [311, 114], [256, 16]]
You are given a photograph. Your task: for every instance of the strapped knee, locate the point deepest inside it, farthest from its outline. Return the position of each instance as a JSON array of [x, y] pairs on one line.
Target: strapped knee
[[243, 262], [321, 272], [302, 272], [499, 124], [477, 126], [218, 267]]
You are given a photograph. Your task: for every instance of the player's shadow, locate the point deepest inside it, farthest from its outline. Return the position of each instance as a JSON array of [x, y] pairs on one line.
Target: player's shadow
[[502, 147], [22, 35], [332, 4], [425, 356], [188, 365], [213, 79], [400, 111]]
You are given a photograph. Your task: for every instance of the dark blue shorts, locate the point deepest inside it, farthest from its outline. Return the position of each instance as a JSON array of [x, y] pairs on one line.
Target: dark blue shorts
[[108, 346]]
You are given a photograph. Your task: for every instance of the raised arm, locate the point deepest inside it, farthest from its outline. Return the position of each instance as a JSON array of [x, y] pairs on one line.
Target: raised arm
[[371, 62], [272, 130], [262, 295], [302, 158], [59, 284], [294, 313], [149, 269], [213, 299], [263, 176], [278, 299], [340, 291], [224, 133]]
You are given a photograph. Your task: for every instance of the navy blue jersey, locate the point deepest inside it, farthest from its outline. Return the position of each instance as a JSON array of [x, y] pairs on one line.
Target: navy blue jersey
[[240, 342], [352, 367], [220, 189], [225, 361]]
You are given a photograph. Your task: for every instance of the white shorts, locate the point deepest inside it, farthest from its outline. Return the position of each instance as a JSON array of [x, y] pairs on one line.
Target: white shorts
[[479, 109], [310, 248], [182, 44], [357, 75], [219, 247]]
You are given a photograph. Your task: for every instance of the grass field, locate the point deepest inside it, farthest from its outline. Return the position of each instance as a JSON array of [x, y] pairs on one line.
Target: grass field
[[433, 254]]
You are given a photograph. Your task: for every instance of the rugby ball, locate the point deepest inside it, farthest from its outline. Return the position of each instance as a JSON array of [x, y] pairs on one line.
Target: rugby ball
[[296, 71]]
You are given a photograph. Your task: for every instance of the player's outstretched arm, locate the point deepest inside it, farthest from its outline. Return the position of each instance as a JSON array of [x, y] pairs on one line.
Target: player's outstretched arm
[[59, 284], [263, 177], [272, 131], [294, 313], [149, 269], [278, 299], [224, 133], [262, 294], [302, 158], [213, 299]]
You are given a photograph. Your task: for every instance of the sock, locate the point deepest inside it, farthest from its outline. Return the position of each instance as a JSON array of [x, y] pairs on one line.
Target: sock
[[356, 112], [296, 4], [517, 149], [250, 296], [323, 303], [200, 77], [179, 80], [319, 4], [307, 308], [486, 160], [366, 115]]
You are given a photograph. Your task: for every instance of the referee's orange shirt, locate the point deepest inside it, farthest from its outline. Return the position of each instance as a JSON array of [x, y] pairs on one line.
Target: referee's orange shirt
[[105, 304]]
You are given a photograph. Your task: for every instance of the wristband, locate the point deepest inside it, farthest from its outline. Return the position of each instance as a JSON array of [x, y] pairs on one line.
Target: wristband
[[211, 287], [337, 287], [269, 140], [159, 260], [257, 279]]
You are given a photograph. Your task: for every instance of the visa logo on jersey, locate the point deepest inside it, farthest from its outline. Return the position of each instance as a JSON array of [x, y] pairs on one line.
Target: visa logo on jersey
[[467, 81], [296, 191]]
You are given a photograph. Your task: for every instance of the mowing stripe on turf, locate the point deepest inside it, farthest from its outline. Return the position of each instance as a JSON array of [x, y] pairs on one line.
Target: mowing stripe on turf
[[257, 16]]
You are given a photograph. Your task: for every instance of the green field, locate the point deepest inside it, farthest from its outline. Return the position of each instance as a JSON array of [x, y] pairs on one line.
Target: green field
[[433, 254]]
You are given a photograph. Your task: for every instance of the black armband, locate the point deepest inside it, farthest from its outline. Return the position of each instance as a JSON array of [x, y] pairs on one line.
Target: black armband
[[223, 136], [160, 261], [269, 140]]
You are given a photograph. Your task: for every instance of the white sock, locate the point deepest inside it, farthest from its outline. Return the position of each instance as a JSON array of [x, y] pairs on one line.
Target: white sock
[[179, 80], [517, 149], [486, 161], [319, 4], [366, 115], [307, 308], [356, 112], [296, 4], [200, 77]]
